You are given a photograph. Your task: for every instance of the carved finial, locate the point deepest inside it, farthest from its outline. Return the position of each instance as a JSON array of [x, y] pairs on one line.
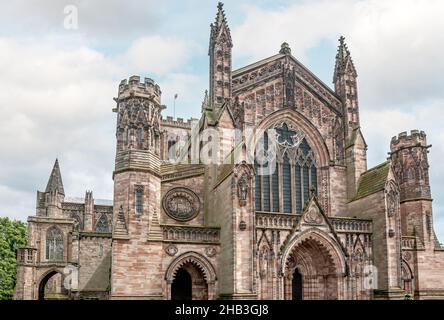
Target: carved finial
[[343, 57], [220, 16], [285, 48], [220, 24], [342, 50], [205, 102]]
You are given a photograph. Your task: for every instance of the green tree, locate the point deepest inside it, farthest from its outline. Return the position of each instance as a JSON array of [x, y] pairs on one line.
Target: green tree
[[12, 236], [408, 297]]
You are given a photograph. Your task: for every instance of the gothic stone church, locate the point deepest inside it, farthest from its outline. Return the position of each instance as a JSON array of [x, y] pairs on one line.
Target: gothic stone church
[[318, 225]]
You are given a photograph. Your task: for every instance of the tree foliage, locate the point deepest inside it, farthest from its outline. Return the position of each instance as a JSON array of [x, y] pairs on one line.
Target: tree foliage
[[12, 236]]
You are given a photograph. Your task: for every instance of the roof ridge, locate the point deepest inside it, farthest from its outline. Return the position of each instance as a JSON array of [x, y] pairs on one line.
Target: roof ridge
[[259, 62], [377, 166]]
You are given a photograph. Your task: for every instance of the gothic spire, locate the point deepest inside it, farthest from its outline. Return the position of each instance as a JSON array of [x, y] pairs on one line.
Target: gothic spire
[[344, 62], [220, 61], [55, 180], [220, 25]]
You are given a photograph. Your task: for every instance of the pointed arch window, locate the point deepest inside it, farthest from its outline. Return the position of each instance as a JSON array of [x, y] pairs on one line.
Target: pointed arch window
[[298, 185], [275, 189], [266, 181], [139, 137], [54, 244], [288, 187], [286, 184], [103, 225], [258, 188], [139, 200]]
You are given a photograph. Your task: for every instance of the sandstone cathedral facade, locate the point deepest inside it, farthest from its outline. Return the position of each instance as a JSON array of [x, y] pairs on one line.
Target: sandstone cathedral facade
[[282, 206]]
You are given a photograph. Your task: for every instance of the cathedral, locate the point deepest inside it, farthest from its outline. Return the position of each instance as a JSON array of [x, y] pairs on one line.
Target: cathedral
[[267, 196]]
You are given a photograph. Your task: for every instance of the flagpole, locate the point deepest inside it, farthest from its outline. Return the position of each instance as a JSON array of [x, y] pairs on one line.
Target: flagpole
[[174, 105]]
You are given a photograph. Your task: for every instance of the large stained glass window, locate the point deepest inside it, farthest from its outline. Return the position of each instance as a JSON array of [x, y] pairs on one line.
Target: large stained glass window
[[287, 187], [258, 188], [54, 244], [298, 190], [266, 192], [286, 184], [275, 190]]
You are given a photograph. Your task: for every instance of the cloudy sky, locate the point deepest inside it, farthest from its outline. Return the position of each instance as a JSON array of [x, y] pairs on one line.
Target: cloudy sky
[[57, 83]]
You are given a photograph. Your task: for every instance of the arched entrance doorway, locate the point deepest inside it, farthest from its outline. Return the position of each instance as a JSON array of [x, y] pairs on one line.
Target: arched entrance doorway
[[51, 287], [190, 276], [182, 286], [297, 285], [314, 269], [407, 278], [189, 284]]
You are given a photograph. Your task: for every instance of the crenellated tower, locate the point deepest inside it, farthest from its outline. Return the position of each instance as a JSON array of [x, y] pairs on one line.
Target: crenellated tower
[[220, 60], [137, 235], [411, 167]]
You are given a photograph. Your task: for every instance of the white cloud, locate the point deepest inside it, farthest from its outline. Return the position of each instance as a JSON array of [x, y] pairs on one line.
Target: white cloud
[[108, 20], [301, 25], [396, 45], [190, 90], [155, 54], [16, 204], [56, 101]]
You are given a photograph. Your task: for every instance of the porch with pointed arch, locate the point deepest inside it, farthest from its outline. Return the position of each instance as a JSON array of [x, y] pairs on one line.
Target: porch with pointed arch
[[313, 268], [190, 277], [50, 285]]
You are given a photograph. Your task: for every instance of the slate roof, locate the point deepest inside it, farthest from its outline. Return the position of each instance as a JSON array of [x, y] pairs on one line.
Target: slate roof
[[373, 180]]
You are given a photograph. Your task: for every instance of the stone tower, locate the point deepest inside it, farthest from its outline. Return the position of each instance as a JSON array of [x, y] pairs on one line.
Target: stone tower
[[137, 235], [220, 60], [411, 167]]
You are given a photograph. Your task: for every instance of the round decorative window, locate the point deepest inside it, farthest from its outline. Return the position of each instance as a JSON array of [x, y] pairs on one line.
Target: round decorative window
[[181, 204]]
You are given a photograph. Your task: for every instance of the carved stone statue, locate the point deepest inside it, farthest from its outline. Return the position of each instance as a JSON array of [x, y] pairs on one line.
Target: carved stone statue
[[242, 189]]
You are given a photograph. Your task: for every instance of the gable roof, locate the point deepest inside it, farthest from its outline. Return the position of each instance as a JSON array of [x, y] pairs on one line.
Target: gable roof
[[354, 136], [213, 116], [278, 56], [309, 218], [257, 64], [373, 180]]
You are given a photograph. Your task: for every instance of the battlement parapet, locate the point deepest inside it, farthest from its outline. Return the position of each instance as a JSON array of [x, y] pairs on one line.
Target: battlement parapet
[[405, 140], [134, 87], [178, 122]]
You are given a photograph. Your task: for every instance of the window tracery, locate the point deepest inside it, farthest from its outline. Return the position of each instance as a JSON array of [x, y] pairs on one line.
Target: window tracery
[[286, 171]]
